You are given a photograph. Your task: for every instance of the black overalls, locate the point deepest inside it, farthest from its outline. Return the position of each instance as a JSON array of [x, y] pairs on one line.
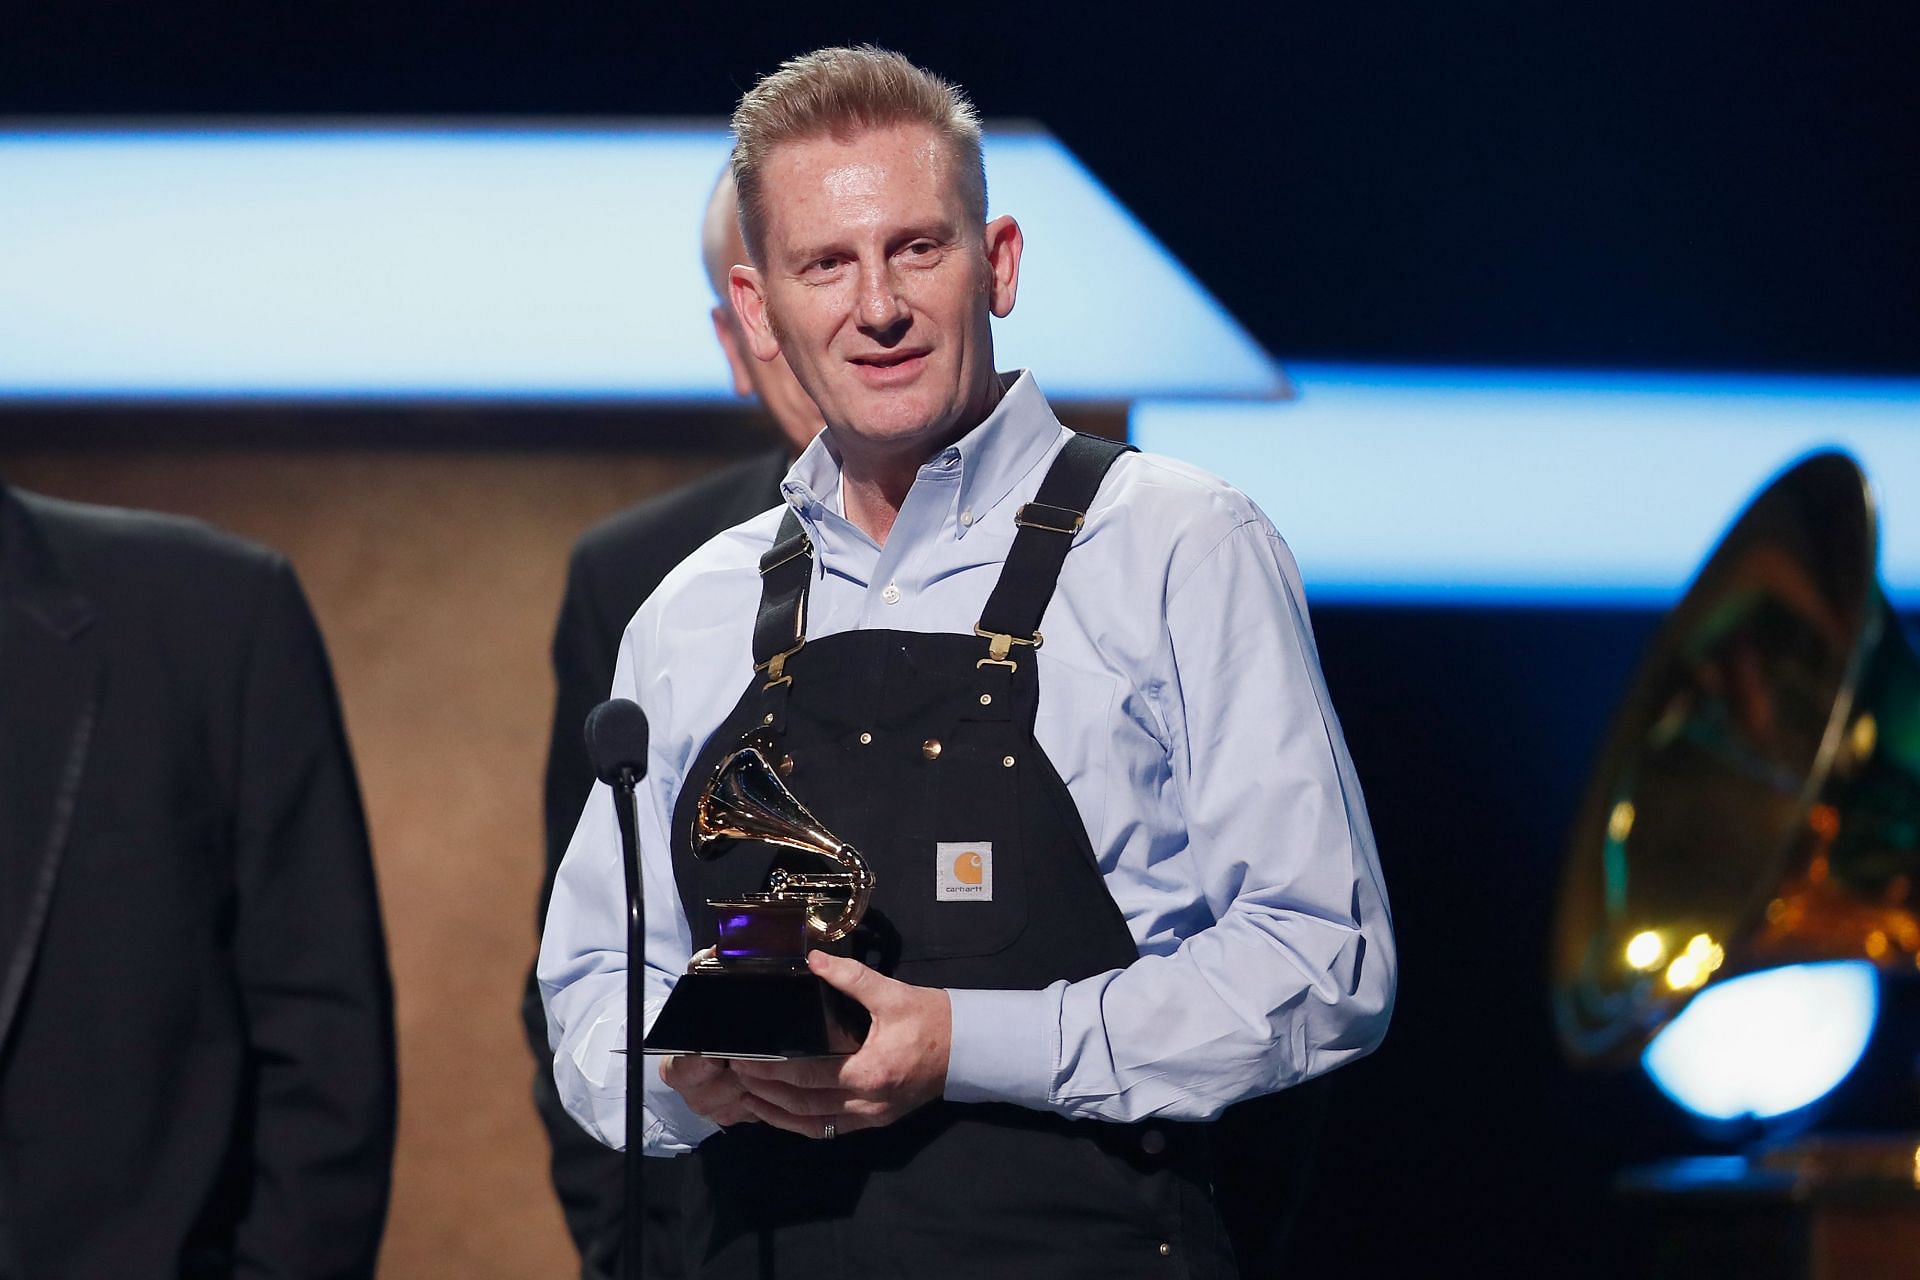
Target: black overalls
[[918, 749]]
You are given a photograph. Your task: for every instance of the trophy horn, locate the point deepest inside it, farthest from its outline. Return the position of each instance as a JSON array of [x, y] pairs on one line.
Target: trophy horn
[[1758, 799], [746, 800]]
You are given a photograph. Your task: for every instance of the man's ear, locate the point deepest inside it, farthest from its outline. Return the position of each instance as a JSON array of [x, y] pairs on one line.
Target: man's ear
[[727, 330], [748, 292], [1004, 243]]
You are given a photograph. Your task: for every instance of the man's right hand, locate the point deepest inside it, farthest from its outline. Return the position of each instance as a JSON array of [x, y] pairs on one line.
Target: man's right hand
[[709, 1086]]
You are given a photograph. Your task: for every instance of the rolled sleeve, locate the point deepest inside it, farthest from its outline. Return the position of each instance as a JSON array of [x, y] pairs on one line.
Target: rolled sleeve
[[584, 966]]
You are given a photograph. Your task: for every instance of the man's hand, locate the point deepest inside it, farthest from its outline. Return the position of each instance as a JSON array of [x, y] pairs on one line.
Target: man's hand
[[902, 1065], [709, 1086]]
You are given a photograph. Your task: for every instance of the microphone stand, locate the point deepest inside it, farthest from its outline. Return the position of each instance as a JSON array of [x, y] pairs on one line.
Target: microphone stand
[[624, 806]]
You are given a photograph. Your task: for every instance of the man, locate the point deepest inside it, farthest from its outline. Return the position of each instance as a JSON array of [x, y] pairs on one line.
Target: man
[[615, 567], [1125, 880], [196, 1024]]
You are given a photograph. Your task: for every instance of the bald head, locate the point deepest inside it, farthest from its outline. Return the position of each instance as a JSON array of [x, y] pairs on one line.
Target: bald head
[[770, 380], [720, 243]]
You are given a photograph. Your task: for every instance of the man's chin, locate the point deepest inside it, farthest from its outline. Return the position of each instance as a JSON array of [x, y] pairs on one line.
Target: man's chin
[[896, 424]]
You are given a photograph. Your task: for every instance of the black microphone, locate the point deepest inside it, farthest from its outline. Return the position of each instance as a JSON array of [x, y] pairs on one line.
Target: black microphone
[[617, 739], [617, 744]]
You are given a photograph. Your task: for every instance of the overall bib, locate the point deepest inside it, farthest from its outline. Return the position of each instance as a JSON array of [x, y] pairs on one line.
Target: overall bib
[[918, 749]]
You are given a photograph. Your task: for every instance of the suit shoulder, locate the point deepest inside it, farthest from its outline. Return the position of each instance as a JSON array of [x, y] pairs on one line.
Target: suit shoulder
[[719, 573], [685, 516], [621, 561], [170, 590], [95, 541]]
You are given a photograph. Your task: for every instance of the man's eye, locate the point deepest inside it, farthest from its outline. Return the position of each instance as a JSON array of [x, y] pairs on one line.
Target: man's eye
[[826, 264], [921, 248]]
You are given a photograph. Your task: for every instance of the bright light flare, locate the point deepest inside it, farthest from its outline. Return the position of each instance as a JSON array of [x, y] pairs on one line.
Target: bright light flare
[[1645, 950], [1692, 967], [1767, 1043]]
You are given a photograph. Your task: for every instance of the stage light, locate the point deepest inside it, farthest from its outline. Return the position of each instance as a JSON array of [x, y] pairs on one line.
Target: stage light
[[396, 261], [1486, 486], [1767, 1043]]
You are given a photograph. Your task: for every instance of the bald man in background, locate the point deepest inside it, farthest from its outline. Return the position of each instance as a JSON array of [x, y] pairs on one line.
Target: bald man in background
[[615, 567]]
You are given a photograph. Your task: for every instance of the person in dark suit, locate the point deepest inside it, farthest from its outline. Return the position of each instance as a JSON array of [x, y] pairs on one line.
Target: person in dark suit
[[615, 567], [196, 1020]]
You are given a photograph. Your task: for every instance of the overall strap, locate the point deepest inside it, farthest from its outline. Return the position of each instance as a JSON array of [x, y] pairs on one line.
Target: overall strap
[[780, 628], [1047, 528]]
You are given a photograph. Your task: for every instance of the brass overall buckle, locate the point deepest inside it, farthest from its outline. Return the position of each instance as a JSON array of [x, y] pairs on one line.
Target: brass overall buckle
[[776, 666], [1000, 644]]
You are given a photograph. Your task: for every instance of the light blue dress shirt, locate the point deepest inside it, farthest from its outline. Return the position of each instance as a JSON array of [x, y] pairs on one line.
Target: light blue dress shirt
[[1180, 700]]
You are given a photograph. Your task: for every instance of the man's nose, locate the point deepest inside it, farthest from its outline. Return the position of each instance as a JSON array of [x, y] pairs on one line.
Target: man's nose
[[882, 308]]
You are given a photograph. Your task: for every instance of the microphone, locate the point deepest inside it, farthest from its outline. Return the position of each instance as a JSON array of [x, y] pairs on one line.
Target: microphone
[[617, 740], [616, 733]]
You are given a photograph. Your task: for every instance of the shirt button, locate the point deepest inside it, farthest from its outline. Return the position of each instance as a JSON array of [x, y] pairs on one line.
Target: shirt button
[[1165, 1249], [1153, 1142], [966, 519], [891, 594]]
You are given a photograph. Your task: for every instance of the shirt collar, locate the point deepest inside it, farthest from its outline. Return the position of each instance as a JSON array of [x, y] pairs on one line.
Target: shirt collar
[[993, 457]]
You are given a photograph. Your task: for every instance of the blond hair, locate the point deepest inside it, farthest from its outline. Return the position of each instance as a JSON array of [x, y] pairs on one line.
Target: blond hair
[[841, 92]]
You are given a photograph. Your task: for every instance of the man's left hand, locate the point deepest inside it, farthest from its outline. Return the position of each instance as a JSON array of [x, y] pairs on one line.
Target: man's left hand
[[902, 1064]]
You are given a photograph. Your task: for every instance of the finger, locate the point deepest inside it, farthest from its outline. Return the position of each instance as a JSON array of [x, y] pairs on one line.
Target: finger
[[806, 1073], [727, 1117], [713, 1100], [868, 1113], [767, 1113], [797, 1101], [816, 1126], [851, 978], [689, 1071]]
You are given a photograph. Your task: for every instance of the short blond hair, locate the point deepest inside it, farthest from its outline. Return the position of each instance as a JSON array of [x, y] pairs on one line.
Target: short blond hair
[[841, 92]]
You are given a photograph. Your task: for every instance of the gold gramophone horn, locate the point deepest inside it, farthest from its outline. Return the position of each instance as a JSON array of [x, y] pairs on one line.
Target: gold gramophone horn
[[1758, 798], [746, 800]]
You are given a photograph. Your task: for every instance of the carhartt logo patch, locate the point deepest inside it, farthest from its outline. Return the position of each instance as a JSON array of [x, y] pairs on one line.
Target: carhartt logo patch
[[963, 871]]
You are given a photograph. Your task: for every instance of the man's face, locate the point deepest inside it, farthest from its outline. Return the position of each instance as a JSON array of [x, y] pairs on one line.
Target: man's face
[[877, 286]]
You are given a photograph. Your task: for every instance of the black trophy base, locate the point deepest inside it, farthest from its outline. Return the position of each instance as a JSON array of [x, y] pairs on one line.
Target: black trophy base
[[763, 1015]]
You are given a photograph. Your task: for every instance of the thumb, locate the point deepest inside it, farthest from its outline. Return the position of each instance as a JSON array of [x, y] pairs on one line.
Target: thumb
[[850, 977]]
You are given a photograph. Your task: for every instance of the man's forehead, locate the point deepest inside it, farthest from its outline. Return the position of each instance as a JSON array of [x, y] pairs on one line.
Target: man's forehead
[[859, 163]]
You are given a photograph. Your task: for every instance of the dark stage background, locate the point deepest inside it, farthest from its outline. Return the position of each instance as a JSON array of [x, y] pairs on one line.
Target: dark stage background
[[1714, 186], [1710, 185]]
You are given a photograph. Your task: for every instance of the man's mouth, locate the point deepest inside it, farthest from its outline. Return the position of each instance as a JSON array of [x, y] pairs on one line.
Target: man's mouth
[[887, 368]]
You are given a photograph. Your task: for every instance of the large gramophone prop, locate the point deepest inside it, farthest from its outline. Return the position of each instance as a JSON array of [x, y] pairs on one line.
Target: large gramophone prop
[[752, 996], [1757, 802]]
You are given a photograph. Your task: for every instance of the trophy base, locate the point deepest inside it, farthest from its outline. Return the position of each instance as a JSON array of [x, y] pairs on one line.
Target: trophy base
[[769, 1016]]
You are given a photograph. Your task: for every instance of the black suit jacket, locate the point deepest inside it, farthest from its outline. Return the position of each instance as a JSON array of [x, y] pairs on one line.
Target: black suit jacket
[[615, 567], [196, 1033]]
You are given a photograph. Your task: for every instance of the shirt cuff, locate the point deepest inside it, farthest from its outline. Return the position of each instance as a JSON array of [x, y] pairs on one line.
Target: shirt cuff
[[599, 1065], [672, 1127], [669, 1127], [1005, 1047]]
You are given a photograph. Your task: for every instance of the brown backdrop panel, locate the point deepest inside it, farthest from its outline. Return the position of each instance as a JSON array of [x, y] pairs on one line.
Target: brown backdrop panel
[[436, 577]]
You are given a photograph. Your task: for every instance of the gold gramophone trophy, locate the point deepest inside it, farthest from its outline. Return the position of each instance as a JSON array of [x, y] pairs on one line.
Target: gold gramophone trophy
[[752, 995]]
